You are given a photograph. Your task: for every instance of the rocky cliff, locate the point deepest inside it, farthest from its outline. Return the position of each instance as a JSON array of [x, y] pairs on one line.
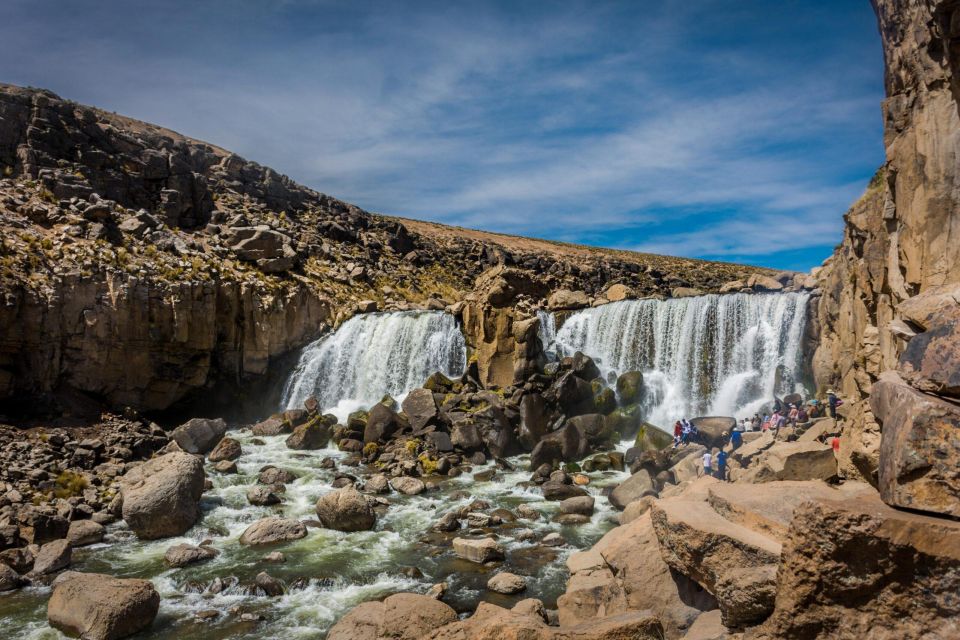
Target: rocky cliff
[[145, 268], [890, 291]]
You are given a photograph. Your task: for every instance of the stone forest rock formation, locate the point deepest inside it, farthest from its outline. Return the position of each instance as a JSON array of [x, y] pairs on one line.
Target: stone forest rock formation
[[470, 412]]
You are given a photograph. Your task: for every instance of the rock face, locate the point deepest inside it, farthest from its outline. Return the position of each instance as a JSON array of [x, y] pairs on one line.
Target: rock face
[[899, 260], [161, 497], [100, 607], [920, 449], [903, 587]]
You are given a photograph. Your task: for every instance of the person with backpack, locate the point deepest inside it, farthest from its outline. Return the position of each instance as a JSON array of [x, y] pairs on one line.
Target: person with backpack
[[722, 465]]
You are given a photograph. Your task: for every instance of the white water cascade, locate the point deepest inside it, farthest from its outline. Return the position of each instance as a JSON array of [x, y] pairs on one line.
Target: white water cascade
[[706, 355], [374, 354]]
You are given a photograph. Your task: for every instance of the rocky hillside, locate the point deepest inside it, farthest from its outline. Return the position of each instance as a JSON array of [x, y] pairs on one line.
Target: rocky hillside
[[143, 267], [889, 310]]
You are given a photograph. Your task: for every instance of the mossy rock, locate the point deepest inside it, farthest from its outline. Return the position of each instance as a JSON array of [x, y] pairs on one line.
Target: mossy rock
[[357, 421], [572, 467], [650, 438], [438, 383], [388, 401], [626, 420], [605, 401], [630, 387]]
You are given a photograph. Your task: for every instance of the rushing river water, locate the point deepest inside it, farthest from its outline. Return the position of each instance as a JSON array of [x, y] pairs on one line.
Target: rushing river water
[[328, 572]]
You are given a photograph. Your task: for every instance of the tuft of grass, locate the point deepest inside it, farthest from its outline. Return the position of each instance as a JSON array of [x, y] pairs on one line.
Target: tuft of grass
[[69, 484]]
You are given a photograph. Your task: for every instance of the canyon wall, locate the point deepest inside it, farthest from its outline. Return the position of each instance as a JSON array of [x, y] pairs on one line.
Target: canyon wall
[[889, 307]]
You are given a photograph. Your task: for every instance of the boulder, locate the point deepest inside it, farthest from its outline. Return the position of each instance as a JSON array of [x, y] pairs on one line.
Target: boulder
[[480, 550], [346, 510], [226, 449], [630, 387], [85, 532], [402, 616], [534, 422], [408, 486], [618, 292], [440, 441], [747, 594], [760, 282], [94, 606], [161, 497], [584, 367], [902, 584], [382, 423], [713, 429], [269, 585], [41, 524], [507, 583], [275, 475], [52, 557], [564, 299], [553, 490], [10, 579], [377, 483], [638, 485], [420, 407], [181, 555], [465, 435], [273, 530], [931, 361], [262, 496], [272, 426], [309, 436], [580, 505], [919, 448], [199, 435], [685, 292], [793, 461]]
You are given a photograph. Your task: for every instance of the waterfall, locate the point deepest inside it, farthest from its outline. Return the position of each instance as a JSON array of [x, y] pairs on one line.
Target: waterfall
[[374, 354], [705, 355]]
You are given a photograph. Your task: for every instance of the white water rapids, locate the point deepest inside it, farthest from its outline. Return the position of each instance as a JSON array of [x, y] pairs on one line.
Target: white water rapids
[[375, 354], [705, 355]]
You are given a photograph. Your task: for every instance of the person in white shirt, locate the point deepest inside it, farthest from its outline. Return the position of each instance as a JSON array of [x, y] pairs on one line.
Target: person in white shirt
[[707, 460]]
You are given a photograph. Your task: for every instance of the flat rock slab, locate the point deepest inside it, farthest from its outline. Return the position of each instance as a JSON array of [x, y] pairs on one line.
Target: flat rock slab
[[857, 568], [768, 508]]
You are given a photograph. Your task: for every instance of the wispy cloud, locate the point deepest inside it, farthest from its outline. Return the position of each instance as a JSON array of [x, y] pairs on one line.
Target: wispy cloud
[[687, 128]]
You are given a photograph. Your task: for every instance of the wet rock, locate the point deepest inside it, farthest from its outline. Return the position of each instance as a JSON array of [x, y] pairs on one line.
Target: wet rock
[[272, 426], [101, 607], [638, 485], [10, 579], [480, 550], [447, 522], [346, 510], [226, 467], [553, 540], [85, 532], [52, 557], [273, 530], [582, 505], [41, 524], [507, 583], [528, 512], [262, 496], [268, 584], [181, 555], [378, 483], [408, 486], [226, 449], [553, 490], [274, 475], [420, 407], [161, 497], [309, 436], [199, 435]]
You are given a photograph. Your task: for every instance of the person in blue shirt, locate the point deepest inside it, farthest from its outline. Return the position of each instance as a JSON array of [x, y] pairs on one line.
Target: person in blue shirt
[[736, 439], [721, 461]]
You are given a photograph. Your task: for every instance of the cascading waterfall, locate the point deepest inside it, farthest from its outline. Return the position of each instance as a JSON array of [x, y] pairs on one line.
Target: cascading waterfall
[[705, 355], [376, 354]]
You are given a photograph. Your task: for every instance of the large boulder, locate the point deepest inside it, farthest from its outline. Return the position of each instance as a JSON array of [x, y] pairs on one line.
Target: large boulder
[[85, 532], [793, 461], [566, 445], [919, 449], [94, 606], [902, 583], [199, 435], [420, 407], [161, 497], [638, 485], [630, 387], [714, 430], [41, 524], [226, 449], [402, 616], [382, 422], [272, 426], [273, 530], [534, 420], [181, 555], [554, 490], [346, 510], [478, 550], [564, 299], [310, 436], [572, 393], [931, 361], [52, 557]]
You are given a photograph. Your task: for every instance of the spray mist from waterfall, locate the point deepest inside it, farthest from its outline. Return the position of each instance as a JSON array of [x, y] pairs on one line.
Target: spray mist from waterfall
[[375, 354], [706, 355]]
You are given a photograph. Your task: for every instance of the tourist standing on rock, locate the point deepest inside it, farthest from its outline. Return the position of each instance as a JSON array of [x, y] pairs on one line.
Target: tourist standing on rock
[[766, 423], [802, 415], [722, 465], [833, 402], [794, 415], [685, 432], [707, 459], [677, 434], [736, 439], [755, 423]]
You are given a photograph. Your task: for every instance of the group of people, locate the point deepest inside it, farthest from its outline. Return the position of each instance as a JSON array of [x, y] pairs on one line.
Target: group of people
[[684, 432]]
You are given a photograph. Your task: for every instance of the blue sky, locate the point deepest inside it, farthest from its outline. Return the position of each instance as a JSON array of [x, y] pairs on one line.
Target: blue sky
[[736, 130]]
